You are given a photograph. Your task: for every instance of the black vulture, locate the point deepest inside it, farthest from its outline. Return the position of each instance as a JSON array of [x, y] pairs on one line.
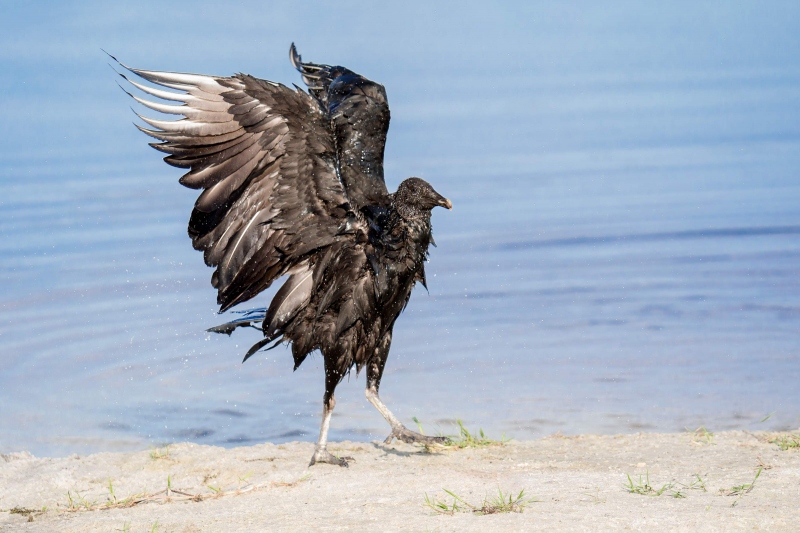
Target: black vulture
[[292, 185]]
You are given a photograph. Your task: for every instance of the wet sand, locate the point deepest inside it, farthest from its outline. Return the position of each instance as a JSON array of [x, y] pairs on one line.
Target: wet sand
[[572, 484]]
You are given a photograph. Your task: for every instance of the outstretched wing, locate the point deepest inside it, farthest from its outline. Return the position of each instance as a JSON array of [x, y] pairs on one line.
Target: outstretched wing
[[265, 158], [359, 114]]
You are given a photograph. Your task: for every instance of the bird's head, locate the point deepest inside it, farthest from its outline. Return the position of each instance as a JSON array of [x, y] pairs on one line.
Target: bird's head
[[416, 196]]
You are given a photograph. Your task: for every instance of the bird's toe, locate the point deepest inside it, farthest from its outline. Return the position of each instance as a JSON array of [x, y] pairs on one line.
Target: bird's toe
[[324, 456]]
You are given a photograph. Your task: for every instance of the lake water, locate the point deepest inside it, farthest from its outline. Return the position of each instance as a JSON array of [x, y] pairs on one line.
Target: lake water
[[623, 254]]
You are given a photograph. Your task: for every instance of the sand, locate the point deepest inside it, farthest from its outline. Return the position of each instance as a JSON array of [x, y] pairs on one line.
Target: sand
[[576, 484]]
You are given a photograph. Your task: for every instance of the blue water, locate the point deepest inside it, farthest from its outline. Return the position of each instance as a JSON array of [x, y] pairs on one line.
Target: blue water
[[623, 255]]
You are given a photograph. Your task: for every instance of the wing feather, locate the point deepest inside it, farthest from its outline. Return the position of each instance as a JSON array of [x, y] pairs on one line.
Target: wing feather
[[212, 155], [264, 156], [359, 113], [192, 113], [234, 167], [194, 128]]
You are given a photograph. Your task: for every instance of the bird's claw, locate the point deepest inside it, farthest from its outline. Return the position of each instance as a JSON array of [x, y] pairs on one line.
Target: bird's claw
[[324, 456], [410, 437]]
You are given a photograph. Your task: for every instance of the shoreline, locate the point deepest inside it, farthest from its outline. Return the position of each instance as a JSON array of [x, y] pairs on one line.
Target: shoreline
[[682, 481]]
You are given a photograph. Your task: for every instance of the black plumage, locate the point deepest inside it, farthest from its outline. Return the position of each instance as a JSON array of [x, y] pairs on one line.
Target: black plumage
[[292, 185]]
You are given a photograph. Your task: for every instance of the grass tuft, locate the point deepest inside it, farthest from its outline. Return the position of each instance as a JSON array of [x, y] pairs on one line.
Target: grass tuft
[[163, 452], [595, 498], [243, 479], [465, 439], [741, 490], [79, 502], [701, 435], [673, 488], [786, 442], [502, 503], [113, 497], [643, 486], [505, 503], [697, 484]]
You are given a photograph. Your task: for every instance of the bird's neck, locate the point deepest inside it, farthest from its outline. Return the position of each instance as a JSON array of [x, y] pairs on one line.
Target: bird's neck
[[410, 228]]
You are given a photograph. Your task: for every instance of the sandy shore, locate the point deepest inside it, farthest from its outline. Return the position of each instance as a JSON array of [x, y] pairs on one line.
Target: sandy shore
[[578, 484]]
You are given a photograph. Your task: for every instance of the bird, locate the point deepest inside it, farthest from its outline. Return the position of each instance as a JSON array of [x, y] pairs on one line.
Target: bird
[[292, 188]]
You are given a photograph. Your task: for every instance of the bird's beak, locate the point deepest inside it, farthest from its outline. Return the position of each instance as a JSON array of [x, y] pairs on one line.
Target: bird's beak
[[444, 202]]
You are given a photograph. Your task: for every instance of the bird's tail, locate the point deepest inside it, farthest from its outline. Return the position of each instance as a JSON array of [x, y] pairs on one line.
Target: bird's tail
[[293, 296], [250, 318]]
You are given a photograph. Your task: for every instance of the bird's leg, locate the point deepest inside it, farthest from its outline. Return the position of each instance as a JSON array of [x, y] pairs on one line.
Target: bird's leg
[[321, 453], [374, 374]]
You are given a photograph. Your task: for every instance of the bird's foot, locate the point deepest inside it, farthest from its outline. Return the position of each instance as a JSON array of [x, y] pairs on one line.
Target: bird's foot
[[406, 435], [324, 456]]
